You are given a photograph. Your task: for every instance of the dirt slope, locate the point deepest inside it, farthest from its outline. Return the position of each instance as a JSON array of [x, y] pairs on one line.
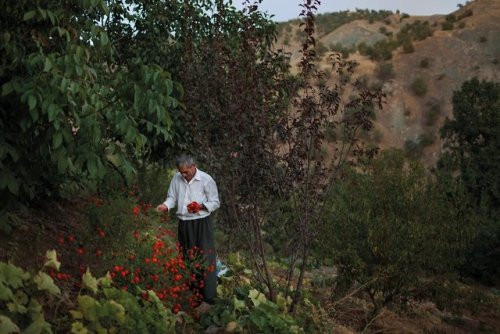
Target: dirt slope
[[442, 61]]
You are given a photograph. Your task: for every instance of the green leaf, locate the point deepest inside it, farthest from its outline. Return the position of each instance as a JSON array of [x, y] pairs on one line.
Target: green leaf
[[48, 65], [53, 111], [7, 326], [57, 140], [9, 180], [32, 102], [76, 314], [89, 307], [78, 328], [13, 185], [5, 292], [52, 18], [51, 260], [7, 88], [43, 13], [13, 276], [38, 326], [92, 166], [238, 304], [62, 163], [170, 87], [29, 15], [89, 281], [45, 282], [106, 281], [104, 38], [256, 297], [19, 302]]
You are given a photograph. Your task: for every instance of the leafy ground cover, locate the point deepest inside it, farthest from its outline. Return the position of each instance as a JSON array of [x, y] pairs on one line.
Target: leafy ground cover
[[114, 266]]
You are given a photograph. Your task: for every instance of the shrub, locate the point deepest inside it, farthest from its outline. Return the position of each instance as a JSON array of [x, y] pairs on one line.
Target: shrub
[[338, 47], [321, 49], [433, 113], [381, 50], [451, 18], [107, 308], [391, 225], [22, 296], [413, 149], [408, 47], [416, 31], [447, 25], [125, 237], [98, 307], [419, 87], [424, 63], [377, 85], [427, 139], [385, 71], [249, 309]]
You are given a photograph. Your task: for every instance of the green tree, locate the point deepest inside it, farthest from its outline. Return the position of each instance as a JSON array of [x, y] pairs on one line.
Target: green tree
[[391, 224], [69, 109], [472, 143]]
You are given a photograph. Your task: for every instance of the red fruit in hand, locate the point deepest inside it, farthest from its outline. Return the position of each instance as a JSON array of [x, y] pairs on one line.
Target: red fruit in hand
[[193, 207]]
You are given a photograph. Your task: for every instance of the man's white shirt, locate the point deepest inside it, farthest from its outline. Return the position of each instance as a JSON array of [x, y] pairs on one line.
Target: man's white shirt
[[201, 188]]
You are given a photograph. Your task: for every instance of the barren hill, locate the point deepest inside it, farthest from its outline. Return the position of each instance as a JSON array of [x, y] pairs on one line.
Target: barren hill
[[421, 75]]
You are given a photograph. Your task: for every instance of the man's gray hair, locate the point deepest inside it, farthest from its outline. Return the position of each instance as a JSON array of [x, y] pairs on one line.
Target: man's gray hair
[[185, 160]]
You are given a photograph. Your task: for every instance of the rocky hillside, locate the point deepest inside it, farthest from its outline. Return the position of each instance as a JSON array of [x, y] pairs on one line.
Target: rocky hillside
[[419, 61]]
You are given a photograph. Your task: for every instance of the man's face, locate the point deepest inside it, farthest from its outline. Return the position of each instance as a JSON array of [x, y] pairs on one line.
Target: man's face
[[187, 172]]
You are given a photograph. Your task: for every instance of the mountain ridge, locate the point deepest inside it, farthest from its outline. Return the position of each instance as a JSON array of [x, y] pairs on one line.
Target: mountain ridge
[[447, 50]]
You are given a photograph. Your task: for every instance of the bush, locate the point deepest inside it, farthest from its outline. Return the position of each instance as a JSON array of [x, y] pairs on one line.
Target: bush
[[22, 296], [408, 46], [320, 49], [424, 63], [419, 87], [250, 310], [391, 225], [416, 31], [433, 113], [345, 51], [107, 308], [381, 50], [447, 25], [98, 306], [413, 148], [385, 71], [427, 139]]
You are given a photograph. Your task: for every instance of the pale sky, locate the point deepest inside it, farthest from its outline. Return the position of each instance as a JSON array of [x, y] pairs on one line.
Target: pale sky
[[284, 10]]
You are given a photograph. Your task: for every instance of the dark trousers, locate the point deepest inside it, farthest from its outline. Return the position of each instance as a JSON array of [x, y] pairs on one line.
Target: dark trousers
[[200, 233]]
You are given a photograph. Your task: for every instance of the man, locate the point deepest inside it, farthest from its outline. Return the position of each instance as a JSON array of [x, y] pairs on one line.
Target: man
[[195, 195]]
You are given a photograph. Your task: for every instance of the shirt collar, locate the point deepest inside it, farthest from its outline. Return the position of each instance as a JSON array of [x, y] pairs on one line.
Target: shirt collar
[[196, 177]]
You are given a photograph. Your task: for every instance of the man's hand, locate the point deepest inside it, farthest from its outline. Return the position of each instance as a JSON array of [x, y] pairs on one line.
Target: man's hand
[[162, 208], [194, 207]]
